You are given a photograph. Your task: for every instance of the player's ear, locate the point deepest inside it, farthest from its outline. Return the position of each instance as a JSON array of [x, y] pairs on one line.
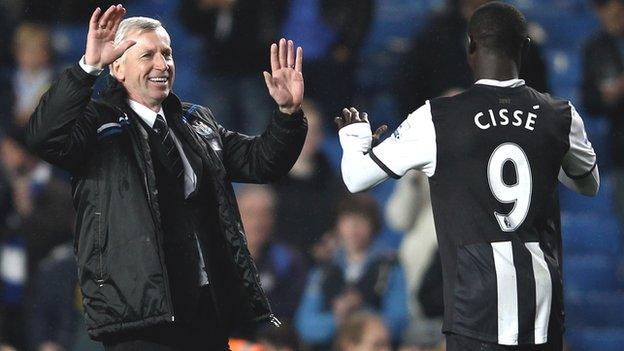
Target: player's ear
[[472, 45], [525, 45]]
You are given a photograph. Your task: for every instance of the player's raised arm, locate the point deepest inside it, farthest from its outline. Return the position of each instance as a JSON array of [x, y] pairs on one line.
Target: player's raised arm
[[365, 164], [359, 172]]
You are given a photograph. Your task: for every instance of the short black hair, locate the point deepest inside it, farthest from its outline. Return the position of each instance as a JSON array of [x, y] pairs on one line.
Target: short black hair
[[500, 28]]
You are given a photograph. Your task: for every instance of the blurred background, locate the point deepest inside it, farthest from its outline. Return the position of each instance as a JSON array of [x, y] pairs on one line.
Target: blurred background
[[344, 272]]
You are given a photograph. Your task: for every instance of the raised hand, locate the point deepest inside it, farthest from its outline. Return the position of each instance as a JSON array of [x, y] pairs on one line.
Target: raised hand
[[351, 115], [101, 49], [285, 82]]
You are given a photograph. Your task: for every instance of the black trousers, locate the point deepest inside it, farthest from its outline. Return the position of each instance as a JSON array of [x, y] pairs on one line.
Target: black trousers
[[203, 332], [456, 342]]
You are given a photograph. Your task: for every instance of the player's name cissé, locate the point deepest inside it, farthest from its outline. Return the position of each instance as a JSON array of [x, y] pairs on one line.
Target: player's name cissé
[[504, 117]]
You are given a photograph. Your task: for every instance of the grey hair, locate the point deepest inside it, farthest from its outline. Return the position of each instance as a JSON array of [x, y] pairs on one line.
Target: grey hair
[[131, 24]]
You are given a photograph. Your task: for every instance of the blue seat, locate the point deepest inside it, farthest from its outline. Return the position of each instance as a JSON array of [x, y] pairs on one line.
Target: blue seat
[[69, 43], [596, 339], [595, 309], [591, 234], [601, 204], [564, 29], [589, 272], [564, 68]]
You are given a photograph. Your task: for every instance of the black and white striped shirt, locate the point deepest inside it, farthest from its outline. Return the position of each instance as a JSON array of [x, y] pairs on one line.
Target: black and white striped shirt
[[493, 155]]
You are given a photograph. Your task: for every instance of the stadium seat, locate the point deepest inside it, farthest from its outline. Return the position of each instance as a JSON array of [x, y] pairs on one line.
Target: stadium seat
[[564, 68], [590, 234], [69, 43], [564, 29], [595, 309], [573, 203], [589, 272], [595, 339]]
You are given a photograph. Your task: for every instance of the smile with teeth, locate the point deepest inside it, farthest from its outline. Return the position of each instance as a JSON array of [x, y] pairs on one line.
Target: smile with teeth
[[158, 79]]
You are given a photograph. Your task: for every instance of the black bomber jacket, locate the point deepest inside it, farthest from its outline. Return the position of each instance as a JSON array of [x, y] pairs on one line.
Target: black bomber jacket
[[118, 239]]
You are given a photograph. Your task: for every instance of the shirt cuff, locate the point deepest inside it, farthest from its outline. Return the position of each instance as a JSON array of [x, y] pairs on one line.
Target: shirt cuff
[[356, 137], [92, 70]]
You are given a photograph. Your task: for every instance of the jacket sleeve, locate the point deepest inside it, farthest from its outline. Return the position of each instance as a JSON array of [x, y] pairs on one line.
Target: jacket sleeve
[[268, 157], [62, 127]]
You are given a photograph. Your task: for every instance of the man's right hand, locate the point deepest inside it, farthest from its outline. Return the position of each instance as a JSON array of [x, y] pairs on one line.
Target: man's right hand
[[351, 115], [101, 50]]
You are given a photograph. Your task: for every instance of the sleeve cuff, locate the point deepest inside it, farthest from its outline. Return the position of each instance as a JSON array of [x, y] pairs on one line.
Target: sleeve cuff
[[581, 176], [92, 70], [288, 121], [355, 137]]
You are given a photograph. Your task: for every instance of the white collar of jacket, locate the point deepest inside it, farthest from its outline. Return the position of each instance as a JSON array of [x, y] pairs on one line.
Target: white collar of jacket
[[147, 115], [511, 83]]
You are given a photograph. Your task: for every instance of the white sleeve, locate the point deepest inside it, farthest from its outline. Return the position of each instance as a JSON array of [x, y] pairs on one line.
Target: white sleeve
[[92, 70], [411, 146], [359, 172], [579, 170]]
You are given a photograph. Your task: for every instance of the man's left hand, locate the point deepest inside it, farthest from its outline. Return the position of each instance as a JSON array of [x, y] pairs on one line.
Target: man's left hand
[[285, 82]]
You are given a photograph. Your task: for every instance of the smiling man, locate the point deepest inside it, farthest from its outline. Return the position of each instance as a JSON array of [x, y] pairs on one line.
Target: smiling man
[[162, 256]]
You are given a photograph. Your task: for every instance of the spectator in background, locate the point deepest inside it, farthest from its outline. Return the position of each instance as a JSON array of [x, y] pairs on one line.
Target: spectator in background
[[436, 64], [310, 181], [44, 212], [603, 82], [358, 278], [32, 48], [282, 269], [236, 34], [363, 332], [332, 32], [409, 210], [41, 218], [55, 306]]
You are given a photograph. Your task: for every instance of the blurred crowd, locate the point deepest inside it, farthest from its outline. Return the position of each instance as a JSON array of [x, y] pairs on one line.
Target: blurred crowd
[[343, 271]]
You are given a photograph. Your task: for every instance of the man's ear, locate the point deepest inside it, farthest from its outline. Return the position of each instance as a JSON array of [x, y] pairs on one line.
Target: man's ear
[[525, 45], [472, 44], [117, 70]]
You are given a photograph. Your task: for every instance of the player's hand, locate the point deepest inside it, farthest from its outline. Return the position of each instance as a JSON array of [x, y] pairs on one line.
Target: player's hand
[[352, 115], [101, 50], [285, 82]]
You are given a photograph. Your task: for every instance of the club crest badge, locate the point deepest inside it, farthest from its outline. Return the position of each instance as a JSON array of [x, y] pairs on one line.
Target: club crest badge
[[201, 128]]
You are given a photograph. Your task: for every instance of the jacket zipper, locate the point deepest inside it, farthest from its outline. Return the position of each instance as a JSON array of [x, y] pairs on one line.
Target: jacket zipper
[[98, 225], [164, 269], [156, 225], [276, 322]]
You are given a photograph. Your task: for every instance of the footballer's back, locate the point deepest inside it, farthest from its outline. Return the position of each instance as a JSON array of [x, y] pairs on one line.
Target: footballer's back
[[499, 152]]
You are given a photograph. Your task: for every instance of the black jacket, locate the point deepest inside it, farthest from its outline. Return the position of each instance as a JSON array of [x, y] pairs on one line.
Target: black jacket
[[119, 236]]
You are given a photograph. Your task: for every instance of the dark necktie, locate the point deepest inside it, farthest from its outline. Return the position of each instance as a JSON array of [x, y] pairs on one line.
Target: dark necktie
[[169, 146]]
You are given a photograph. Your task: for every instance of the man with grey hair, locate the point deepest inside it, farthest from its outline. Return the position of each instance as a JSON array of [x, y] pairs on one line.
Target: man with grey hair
[[163, 262]]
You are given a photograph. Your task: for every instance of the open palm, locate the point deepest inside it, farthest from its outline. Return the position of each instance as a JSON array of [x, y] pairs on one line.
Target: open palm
[[101, 49], [285, 82]]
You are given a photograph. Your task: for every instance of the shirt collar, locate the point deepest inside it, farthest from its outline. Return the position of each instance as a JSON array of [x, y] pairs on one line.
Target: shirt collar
[[511, 83], [147, 115]]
